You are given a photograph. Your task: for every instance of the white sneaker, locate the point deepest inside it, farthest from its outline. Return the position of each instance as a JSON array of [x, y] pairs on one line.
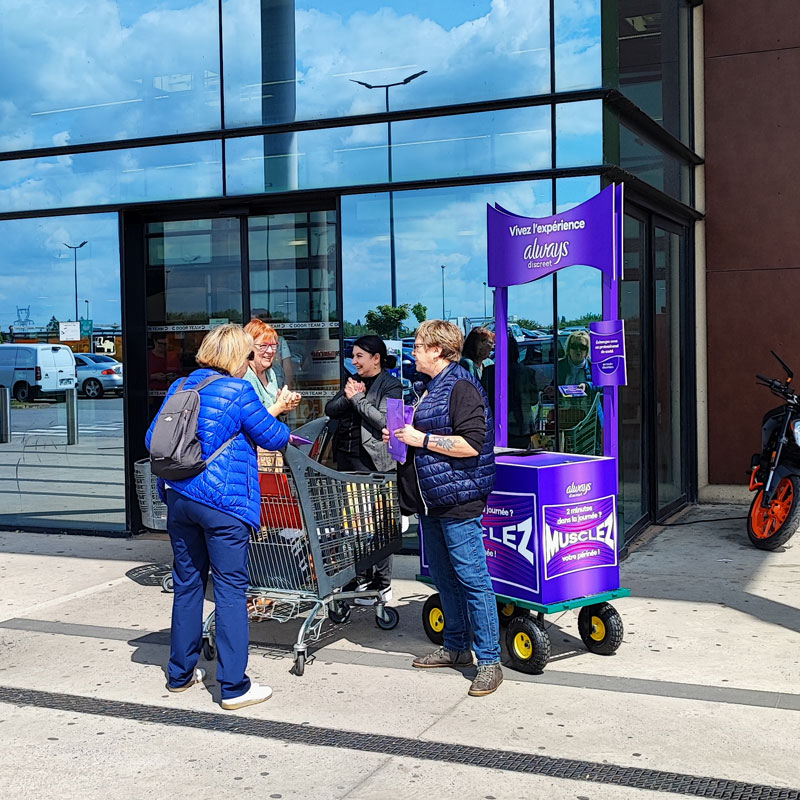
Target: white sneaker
[[198, 677], [255, 694], [385, 597]]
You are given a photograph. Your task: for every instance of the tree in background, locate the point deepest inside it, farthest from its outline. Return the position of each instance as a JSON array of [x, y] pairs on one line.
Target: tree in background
[[386, 320], [420, 312], [52, 326]]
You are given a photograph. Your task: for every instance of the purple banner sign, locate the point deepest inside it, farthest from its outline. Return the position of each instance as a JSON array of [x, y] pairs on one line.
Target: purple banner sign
[[509, 536], [608, 352], [579, 536], [523, 249]]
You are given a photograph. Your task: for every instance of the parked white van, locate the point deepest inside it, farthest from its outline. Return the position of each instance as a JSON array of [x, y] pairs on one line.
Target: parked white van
[[30, 369]]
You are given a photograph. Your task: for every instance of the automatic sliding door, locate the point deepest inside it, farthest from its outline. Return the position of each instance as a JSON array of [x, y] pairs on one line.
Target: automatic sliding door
[[193, 283], [292, 271]]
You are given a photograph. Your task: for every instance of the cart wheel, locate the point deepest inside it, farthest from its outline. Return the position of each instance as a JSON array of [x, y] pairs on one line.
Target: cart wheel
[[528, 645], [507, 611], [600, 627], [299, 663], [167, 583], [389, 619], [433, 619], [209, 649], [339, 613]]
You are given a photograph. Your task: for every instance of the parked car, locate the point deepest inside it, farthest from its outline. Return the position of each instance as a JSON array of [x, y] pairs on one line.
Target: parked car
[[33, 369], [98, 374]]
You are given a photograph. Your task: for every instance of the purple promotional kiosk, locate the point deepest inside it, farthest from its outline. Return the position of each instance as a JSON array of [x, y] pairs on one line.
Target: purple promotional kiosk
[[550, 525]]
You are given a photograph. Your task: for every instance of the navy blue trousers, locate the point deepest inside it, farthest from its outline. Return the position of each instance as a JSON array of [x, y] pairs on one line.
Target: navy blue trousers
[[201, 537]]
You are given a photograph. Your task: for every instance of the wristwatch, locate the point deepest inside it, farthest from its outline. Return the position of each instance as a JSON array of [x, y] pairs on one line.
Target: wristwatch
[[425, 441]]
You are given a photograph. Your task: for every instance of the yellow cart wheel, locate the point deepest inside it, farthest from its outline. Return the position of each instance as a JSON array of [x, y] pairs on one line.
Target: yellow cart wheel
[[528, 645], [433, 619], [600, 627]]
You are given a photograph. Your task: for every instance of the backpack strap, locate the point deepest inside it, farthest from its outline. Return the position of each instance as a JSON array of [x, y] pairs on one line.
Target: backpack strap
[[206, 381]]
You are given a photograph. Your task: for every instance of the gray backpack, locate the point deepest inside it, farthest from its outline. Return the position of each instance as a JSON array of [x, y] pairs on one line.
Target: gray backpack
[[175, 450]]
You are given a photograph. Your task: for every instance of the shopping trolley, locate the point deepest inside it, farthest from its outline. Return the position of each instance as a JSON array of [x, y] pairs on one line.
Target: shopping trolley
[[319, 529]]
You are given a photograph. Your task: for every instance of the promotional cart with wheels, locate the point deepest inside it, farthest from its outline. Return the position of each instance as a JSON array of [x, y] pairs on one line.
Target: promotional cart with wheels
[[550, 525]]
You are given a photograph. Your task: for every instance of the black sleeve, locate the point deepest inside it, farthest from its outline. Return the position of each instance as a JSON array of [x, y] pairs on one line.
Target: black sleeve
[[338, 406], [468, 414]]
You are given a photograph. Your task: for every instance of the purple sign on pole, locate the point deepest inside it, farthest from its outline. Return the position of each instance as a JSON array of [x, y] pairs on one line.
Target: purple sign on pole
[[523, 249], [608, 352]]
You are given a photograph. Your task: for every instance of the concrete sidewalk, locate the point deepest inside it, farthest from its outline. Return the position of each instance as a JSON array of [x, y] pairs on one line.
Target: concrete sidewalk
[[705, 685]]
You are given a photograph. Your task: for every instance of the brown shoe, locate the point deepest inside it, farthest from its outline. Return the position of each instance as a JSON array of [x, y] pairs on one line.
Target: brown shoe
[[442, 657], [489, 677]]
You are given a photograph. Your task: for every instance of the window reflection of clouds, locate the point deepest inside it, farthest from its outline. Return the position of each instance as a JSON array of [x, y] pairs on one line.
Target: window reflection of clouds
[[432, 227], [118, 176], [108, 70], [579, 133], [38, 269], [472, 51], [578, 61]]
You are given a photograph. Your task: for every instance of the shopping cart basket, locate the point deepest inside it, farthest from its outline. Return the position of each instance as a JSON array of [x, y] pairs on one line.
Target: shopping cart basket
[[154, 512], [319, 528]]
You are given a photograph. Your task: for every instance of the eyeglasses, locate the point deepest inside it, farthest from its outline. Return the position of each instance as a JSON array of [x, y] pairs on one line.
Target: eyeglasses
[[418, 346], [578, 348], [265, 348]]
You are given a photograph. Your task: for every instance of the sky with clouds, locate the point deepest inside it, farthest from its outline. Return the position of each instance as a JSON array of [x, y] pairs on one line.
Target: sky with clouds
[[90, 71]]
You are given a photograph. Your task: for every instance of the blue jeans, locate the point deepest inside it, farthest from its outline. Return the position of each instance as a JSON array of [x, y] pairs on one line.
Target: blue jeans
[[200, 536], [457, 562]]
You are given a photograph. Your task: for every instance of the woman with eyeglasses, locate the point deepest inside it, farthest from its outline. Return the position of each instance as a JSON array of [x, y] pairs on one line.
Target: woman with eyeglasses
[[575, 368], [210, 516], [261, 375]]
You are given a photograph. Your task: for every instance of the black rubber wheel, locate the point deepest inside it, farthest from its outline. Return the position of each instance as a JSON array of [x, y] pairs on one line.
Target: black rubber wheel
[[600, 627], [769, 528], [339, 613], [299, 664], [93, 389], [22, 392], [528, 645], [433, 619], [167, 583], [507, 611], [209, 650], [390, 620]]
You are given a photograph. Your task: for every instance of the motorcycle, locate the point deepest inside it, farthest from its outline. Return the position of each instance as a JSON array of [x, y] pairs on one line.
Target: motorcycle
[[775, 471]]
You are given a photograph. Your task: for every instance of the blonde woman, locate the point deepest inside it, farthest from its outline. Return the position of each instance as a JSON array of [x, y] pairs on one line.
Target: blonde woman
[[575, 368], [210, 515]]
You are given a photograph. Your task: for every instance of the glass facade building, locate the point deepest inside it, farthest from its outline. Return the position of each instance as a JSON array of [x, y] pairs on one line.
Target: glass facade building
[[308, 162]]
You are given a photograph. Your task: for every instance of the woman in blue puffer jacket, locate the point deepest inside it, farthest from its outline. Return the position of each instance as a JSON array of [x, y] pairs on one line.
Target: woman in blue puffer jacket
[[209, 517]]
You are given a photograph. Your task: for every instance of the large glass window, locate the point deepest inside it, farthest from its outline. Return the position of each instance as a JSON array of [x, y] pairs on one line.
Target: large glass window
[[579, 133], [111, 69], [134, 175], [654, 42], [667, 254], [512, 140], [633, 498], [289, 60], [577, 45], [63, 467]]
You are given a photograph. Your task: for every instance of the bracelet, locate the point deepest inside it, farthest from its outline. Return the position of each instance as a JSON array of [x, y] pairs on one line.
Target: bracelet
[[425, 441]]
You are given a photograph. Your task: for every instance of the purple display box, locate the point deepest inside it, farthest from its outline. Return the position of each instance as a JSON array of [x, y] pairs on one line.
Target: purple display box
[[550, 528]]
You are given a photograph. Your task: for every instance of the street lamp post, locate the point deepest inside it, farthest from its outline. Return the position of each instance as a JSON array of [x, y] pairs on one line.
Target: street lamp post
[[87, 308], [484, 302], [386, 87], [444, 266], [75, 248]]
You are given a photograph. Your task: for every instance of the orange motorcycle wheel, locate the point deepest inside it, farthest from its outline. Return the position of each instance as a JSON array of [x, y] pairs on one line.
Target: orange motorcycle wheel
[[769, 528]]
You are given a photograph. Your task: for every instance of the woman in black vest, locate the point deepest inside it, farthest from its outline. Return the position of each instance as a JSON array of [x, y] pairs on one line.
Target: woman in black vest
[[358, 443], [446, 479]]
